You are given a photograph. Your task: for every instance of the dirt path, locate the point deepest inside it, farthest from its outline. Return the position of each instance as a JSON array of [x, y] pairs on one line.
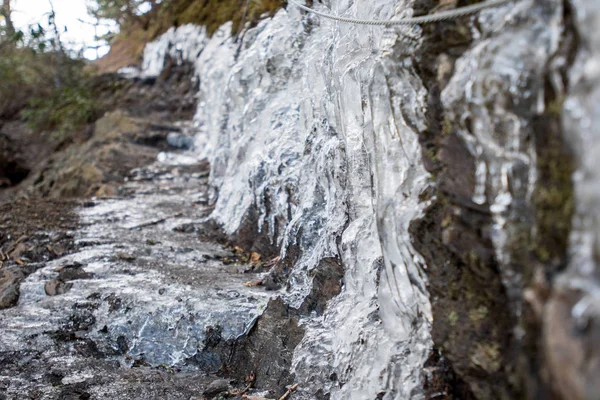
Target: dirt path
[[132, 311]]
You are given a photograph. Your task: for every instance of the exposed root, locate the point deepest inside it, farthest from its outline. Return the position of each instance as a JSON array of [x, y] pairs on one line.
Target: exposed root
[[289, 392]]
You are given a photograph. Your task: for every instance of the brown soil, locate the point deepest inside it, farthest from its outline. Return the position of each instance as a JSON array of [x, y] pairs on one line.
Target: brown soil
[[23, 220], [124, 52], [31, 233]]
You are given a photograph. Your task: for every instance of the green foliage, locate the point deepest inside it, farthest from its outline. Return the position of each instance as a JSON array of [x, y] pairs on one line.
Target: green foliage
[[122, 11], [43, 85], [23, 74], [67, 109]]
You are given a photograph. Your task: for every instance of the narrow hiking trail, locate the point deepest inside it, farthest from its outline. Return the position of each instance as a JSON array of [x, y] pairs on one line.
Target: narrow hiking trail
[[133, 311]]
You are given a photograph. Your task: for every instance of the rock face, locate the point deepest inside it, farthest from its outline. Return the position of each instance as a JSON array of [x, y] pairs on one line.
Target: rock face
[[450, 169]]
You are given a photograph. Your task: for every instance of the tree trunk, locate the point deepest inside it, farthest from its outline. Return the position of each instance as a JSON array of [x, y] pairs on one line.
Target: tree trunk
[[6, 12]]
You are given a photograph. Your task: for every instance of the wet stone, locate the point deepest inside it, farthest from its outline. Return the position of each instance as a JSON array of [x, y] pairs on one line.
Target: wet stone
[[57, 287], [10, 280], [73, 272], [126, 256]]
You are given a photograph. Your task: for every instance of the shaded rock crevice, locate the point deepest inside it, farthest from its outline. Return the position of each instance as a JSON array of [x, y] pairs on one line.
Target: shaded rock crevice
[[488, 335], [546, 253], [471, 326], [13, 168]]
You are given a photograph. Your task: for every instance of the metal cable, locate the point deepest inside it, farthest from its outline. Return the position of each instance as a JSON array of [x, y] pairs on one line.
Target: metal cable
[[425, 19]]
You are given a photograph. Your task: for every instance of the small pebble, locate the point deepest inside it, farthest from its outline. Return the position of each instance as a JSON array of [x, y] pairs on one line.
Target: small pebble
[[216, 387]]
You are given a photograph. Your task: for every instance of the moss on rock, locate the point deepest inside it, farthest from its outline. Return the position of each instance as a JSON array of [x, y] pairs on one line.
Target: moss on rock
[[214, 13], [553, 198]]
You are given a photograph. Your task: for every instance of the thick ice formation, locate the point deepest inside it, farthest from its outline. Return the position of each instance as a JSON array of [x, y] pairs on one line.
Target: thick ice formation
[[316, 124], [495, 93], [183, 43], [308, 122]]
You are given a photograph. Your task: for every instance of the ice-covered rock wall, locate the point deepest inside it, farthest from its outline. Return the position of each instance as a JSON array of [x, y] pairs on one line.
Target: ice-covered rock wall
[[340, 137], [298, 119], [298, 123]]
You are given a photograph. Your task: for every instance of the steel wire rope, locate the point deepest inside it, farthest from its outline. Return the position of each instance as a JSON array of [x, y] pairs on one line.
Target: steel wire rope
[[424, 19]]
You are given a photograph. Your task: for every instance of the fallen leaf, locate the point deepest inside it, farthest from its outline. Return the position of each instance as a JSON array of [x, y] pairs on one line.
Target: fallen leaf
[[57, 287], [238, 249], [20, 262], [254, 258], [251, 377], [253, 283]]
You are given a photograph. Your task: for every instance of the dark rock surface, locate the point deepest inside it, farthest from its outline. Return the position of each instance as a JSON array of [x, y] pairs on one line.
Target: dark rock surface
[[13, 169], [216, 387], [483, 321], [10, 281]]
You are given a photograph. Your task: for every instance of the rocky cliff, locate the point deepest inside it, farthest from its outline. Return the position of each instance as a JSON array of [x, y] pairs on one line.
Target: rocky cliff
[[417, 205]]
